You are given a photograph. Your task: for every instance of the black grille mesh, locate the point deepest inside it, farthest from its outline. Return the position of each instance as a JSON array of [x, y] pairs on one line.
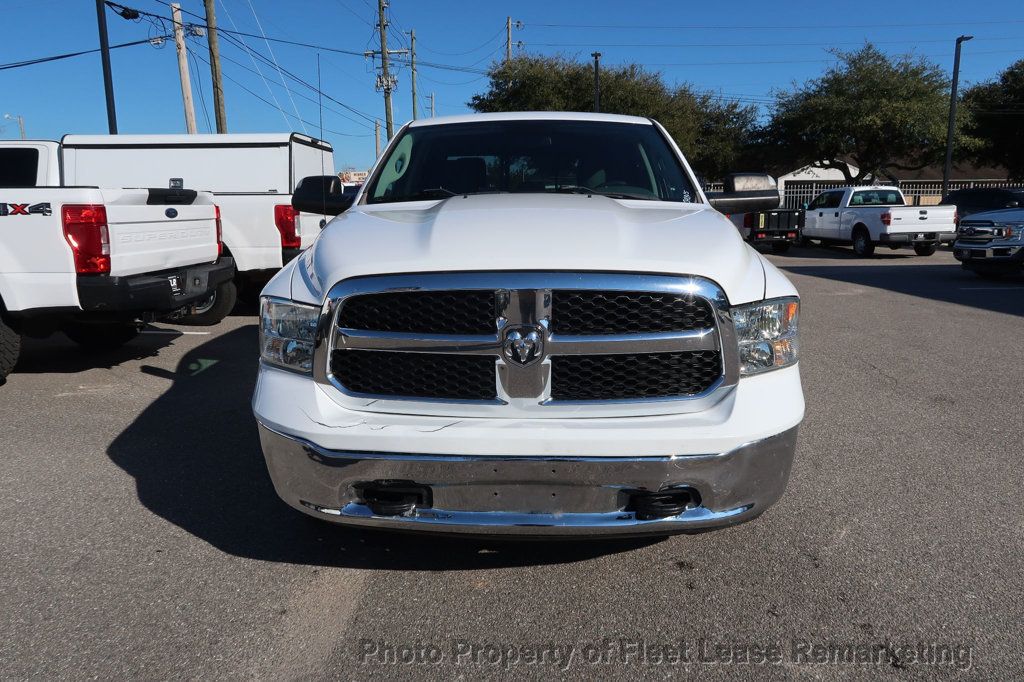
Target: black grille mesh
[[424, 312], [614, 312], [416, 375], [643, 375]]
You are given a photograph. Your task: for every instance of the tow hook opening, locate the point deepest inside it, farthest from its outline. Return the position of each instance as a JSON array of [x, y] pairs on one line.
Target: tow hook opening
[[662, 504], [394, 498]]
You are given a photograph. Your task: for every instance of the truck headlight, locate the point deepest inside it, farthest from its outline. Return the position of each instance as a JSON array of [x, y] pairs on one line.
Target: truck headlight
[[767, 334], [287, 333]]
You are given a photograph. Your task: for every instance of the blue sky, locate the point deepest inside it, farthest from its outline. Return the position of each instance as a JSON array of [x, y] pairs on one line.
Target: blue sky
[[767, 47]]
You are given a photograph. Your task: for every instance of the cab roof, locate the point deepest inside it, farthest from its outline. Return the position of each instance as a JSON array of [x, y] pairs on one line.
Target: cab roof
[[531, 116]]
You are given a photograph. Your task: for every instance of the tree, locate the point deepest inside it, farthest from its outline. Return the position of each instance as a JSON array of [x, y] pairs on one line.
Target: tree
[[997, 120], [710, 131], [871, 111]]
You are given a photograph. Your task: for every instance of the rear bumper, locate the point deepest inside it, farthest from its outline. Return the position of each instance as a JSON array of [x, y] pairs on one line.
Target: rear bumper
[[915, 237], [152, 292], [530, 496]]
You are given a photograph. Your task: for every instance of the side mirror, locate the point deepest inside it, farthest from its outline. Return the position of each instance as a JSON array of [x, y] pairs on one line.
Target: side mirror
[[746, 193], [804, 205], [321, 194]]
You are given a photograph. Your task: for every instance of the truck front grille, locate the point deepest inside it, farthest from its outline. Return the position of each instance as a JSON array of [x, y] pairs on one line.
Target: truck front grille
[[416, 375], [622, 312], [425, 312], [631, 377], [522, 339]]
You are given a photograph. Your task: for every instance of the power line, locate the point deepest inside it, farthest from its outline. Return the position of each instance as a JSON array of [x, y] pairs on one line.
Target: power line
[[310, 99], [68, 55], [269, 103], [475, 49], [199, 84], [274, 58], [734, 45], [793, 27]]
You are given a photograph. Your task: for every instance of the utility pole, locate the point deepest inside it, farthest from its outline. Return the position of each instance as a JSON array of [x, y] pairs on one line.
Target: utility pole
[[948, 168], [186, 82], [597, 80], [21, 123], [412, 68], [508, 37], [385, 81], [218, 86], [108, 81], [431, 105], [376, 137]]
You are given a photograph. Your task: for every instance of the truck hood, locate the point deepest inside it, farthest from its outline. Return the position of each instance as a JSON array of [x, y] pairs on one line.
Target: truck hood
[[531, 232]]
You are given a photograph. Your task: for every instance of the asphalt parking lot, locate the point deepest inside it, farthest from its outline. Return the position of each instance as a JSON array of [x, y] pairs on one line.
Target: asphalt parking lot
[[142, 537]]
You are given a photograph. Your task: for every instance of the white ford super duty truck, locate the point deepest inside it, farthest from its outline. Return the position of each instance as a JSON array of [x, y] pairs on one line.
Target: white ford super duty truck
[[251, 177], [531, 323], [91, 262], [877, 216]]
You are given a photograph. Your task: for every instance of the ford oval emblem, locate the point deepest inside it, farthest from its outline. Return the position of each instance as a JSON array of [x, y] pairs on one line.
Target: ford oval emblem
[[171, 213]]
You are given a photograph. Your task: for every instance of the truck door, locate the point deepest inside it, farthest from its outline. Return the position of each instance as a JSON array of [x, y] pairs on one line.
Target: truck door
[[813, 216], [830, 220]]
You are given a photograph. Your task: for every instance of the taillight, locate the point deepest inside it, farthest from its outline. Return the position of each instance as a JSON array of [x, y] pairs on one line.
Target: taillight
[[748, 220], [284, 218], [220, 231], [886, 218], [956, 217], [85, 229]]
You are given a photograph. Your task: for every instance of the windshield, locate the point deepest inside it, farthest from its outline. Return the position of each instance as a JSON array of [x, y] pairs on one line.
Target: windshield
[[877, 197], [621, 160]]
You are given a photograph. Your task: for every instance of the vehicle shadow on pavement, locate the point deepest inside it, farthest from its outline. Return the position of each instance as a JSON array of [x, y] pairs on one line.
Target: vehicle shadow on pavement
[[941, 282], [57, 354], [195, 456]]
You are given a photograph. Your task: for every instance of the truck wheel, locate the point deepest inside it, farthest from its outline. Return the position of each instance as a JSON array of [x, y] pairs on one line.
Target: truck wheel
[[214, 309], [10, 348], [780, 247], [101, 337], [925, 249], [862, 245]]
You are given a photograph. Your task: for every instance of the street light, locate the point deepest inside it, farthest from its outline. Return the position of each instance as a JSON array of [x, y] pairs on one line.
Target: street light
[[952, 116], [21, 123]]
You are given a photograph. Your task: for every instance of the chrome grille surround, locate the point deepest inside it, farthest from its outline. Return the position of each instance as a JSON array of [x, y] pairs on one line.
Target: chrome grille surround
[[523, 302]]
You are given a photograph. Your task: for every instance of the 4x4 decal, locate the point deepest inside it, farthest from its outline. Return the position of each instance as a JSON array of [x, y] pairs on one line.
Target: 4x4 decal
[[26, 209]]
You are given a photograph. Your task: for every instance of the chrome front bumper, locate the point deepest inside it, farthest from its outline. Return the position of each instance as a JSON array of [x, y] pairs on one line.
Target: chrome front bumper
[[533, 496]]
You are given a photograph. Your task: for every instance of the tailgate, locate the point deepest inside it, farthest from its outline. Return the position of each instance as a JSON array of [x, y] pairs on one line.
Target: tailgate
[[156, 229], [922, 219]]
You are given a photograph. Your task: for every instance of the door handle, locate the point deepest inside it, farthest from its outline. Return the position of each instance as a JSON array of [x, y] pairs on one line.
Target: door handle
[[837, 214], [820, 214]]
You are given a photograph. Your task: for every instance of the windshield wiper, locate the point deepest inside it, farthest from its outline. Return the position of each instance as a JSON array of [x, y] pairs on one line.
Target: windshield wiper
[[582, 189], [430, 193]]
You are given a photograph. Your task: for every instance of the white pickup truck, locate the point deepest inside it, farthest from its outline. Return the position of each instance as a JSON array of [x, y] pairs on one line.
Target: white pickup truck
[[530, 323], [251, 177], [877, 216], [91, 262]]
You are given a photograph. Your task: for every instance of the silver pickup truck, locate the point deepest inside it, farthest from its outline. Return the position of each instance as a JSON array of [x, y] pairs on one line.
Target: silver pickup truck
[[991, 244]]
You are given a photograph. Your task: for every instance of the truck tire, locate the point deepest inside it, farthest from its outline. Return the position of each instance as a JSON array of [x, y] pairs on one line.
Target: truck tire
[[214, 309], [780, 247], [862, 245], [100, 337], [10, 348], [925, 249]]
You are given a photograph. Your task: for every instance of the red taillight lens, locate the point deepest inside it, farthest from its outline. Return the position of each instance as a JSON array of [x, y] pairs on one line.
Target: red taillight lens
[[956, 217], [886, 218], [285, 217], [220, 232], [85, 229]]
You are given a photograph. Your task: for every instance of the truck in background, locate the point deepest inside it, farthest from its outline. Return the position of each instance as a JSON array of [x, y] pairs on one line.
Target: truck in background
[[778, 228], [251, 176], [867, 217], [92, 262]]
